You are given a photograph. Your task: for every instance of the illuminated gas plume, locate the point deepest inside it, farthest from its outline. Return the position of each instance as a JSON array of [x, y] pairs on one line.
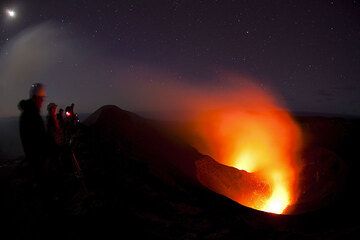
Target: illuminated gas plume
[[254, 134], [239, 125]]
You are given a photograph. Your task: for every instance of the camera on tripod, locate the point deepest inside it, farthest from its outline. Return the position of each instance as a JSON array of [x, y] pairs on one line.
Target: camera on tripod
[[70, 116], [70, 124]]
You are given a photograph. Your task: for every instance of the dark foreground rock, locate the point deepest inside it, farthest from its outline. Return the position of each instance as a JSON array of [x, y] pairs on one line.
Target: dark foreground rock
[[144, 183]]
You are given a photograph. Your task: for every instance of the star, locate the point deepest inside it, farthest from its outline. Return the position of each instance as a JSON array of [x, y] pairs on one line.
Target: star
[[11, 13]]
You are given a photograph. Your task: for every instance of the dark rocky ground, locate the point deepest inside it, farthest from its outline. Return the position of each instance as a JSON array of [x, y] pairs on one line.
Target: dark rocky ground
[[141, 183]]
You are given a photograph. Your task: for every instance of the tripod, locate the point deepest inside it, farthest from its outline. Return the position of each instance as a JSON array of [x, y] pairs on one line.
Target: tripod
[[78, 173]]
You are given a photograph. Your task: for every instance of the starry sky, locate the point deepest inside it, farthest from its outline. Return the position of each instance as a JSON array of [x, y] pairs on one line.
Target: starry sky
[[130, 53]]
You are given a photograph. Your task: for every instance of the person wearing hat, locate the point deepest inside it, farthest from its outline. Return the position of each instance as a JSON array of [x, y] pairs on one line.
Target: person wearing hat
[[32, 129]]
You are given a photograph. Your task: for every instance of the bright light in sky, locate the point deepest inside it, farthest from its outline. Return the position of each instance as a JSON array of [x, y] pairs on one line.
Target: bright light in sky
[[11, 13]]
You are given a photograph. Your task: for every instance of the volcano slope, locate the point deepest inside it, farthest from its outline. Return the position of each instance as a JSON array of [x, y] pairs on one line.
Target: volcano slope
[[144, 182]]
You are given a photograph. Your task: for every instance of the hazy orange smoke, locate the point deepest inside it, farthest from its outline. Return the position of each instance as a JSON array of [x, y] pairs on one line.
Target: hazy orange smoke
[[253, 133], [238, 124]]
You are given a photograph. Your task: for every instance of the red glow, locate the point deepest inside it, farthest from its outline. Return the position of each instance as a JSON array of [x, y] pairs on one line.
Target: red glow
[[258, 136]]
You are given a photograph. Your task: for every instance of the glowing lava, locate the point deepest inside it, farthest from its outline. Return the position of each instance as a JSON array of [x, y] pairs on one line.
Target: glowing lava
[[279, 199], [261, 138]]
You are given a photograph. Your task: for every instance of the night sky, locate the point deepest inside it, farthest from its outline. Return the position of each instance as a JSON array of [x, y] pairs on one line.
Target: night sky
[[119, 52]]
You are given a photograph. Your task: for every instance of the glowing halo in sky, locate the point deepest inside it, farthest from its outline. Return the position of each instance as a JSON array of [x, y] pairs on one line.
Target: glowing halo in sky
[[11, 13]]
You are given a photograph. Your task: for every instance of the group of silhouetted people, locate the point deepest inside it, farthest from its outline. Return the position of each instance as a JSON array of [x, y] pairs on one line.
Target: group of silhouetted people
[[60, 126], [44, 145]]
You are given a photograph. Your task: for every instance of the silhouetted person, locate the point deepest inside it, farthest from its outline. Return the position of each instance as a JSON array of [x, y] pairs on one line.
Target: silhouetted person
[[53, 127], [55, 144], [32, 129], [60, 118]]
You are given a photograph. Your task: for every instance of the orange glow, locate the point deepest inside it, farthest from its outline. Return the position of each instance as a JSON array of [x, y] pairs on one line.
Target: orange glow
[[280, 197], [261, 138]]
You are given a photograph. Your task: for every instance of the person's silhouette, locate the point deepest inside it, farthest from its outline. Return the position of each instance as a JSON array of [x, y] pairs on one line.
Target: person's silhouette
[[32, 129]]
